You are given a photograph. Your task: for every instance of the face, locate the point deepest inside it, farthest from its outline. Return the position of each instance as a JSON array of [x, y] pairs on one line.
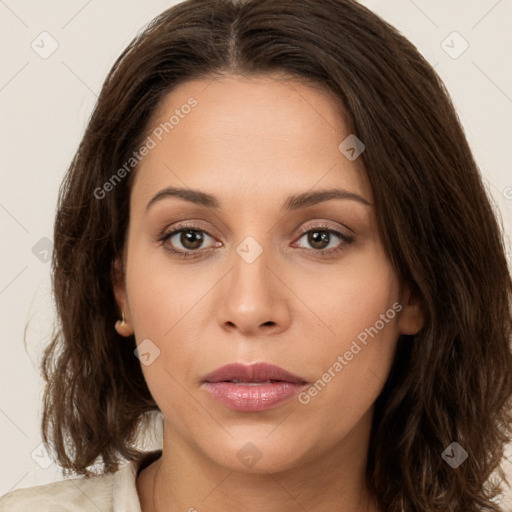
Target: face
[[252, 263]]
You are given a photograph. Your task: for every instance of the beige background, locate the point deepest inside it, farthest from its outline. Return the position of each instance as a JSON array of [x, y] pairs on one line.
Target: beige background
[[45, 104]]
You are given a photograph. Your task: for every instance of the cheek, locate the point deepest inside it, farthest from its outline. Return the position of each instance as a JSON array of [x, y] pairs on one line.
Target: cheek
[[168, 306], [361, 300], [351, 297], [353, 357], [161, 293]]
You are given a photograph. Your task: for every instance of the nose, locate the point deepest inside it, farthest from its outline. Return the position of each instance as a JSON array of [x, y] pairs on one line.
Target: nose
[[254, 299]]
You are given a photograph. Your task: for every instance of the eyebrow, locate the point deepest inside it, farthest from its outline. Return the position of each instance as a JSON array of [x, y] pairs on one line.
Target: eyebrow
[[292, 203]]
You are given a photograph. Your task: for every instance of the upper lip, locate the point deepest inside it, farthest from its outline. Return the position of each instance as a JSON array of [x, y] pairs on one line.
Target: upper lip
[[256, 372]]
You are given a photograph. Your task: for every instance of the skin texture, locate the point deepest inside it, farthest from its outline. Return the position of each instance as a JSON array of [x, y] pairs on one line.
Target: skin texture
[[253, 142]]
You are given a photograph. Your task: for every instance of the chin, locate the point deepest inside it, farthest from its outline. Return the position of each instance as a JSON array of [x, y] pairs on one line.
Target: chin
[[259, 455]]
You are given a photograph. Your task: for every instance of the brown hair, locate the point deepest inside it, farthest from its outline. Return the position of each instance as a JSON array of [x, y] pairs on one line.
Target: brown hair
[[450, 382]]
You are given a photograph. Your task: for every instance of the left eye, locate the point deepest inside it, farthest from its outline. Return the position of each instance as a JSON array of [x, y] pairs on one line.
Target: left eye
[[320, 239]]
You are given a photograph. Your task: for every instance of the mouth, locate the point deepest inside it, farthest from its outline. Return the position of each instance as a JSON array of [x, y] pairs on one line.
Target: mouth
[[252, 388]]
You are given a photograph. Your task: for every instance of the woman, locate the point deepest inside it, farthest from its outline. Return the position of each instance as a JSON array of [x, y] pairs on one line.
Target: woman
[[275, 234]]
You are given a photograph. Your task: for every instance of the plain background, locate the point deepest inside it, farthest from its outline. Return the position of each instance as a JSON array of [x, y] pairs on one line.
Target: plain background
[[45, 104]]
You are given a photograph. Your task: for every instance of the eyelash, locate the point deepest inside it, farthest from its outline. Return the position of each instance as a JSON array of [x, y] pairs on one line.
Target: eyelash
[[164, 237]]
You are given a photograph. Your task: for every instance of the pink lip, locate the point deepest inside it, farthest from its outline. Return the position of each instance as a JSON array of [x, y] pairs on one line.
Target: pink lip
[[221, 385]]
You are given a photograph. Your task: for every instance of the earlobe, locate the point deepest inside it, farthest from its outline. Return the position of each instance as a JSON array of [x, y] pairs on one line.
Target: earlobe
[[412, 316], [123, 328]]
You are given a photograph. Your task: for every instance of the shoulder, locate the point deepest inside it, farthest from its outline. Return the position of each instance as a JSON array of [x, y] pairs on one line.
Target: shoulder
[[79, 494], [115, 492]]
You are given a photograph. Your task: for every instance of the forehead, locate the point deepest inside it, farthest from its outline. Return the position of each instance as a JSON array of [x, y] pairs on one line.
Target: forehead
[[244, 133]]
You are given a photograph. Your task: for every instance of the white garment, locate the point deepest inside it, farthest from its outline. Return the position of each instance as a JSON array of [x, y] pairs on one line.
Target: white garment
[[115, 492]]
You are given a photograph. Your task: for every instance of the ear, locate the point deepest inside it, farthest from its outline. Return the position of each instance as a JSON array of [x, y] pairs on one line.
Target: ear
[[122, 326], [413, 314], [118, 286]]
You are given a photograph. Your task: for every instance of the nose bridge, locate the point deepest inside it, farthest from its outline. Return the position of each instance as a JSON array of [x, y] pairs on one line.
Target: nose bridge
[[250, 279], [252, 297]]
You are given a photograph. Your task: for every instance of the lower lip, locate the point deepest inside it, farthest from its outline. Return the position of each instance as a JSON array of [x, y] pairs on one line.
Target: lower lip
[[258, 397]]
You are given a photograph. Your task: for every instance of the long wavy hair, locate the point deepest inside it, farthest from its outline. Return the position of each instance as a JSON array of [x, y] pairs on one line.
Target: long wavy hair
[[452, 382]]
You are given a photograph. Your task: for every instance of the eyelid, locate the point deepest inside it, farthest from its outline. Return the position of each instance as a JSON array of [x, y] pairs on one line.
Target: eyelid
[[328, 227], [192, 225]]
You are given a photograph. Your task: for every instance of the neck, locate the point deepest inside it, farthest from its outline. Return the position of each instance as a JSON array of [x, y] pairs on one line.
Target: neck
[[184, 479]]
